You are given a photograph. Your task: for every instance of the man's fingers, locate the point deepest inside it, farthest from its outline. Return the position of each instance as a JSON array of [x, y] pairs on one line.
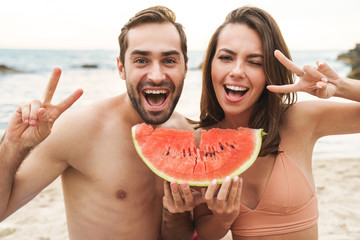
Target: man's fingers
[[44, 126], [288, 63], [34, 107], [189, 199], [66, 103], [52, 84], [167, 199], [176, 194], [24, 110], [167, 191]]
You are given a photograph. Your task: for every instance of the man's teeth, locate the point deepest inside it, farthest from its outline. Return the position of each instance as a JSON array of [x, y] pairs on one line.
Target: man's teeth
[[148, 91], [235, 88]]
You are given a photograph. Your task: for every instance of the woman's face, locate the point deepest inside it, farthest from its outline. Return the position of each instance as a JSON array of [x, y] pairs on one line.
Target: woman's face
[[237, 70]]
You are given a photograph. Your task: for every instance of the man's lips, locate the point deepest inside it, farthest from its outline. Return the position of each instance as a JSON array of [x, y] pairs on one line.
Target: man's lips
[[155, 98]]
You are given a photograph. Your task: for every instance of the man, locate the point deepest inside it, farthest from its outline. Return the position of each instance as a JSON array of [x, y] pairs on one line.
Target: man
[[109, 192]]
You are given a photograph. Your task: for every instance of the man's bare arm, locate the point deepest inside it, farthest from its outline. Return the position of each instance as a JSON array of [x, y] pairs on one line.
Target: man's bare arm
[[30, 125]]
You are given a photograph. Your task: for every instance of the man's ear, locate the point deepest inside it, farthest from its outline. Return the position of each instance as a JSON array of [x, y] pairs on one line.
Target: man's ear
[[121, 68]]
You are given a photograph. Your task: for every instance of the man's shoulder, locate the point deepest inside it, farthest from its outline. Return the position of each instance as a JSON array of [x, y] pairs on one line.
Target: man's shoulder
[[177, 121]]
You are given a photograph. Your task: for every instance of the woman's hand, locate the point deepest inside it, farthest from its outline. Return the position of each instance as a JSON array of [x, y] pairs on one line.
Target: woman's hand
[[225, 205], [322, 81]]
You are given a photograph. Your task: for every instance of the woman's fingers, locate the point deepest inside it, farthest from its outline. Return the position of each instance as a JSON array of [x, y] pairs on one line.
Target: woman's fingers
[[290, 65]]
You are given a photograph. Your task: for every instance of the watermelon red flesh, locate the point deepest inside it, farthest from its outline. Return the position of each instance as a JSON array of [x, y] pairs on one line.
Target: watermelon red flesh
[[173, 155]]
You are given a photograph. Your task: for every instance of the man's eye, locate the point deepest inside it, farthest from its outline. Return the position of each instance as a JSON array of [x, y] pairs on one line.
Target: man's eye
[[140, 60], [169, 61]]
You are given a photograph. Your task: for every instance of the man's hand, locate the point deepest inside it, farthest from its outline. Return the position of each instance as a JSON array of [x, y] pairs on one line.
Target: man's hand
[[180, 198], [32, 122]]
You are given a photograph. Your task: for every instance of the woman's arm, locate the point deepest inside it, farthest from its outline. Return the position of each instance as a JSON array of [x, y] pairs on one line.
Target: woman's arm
[[327, 117]]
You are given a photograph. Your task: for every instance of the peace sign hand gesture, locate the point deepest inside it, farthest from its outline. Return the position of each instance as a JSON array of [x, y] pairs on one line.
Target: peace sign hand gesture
[[32, 122], [322, 81]]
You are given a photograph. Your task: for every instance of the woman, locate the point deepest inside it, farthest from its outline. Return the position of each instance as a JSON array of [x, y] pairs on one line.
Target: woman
[[277, 193]]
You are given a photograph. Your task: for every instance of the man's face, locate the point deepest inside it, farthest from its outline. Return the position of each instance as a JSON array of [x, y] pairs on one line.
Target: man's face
[[154, 70]]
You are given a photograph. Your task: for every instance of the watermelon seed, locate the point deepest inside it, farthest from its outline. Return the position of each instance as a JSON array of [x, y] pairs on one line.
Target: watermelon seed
[[232, 146], [189, 151], [168, 151], [184, 154], [221, 147]]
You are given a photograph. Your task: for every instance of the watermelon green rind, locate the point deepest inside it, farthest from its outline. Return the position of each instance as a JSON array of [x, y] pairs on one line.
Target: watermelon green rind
[[148, 163], [258, 134]]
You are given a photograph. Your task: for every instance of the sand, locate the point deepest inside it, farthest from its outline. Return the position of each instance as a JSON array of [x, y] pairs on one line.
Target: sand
[[338, 188]]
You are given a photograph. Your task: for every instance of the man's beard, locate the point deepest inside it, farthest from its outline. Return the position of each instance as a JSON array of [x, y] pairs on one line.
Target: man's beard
[[154, 117]]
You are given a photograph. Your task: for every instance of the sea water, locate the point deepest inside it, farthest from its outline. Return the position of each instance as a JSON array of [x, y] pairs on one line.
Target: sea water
[[35, 67]]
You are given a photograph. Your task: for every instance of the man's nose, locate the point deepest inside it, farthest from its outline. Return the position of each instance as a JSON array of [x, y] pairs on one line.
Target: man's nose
[[156, 73]]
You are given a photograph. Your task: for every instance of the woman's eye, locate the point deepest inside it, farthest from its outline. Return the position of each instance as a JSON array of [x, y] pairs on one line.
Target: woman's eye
[[225, 58], [256, 63]]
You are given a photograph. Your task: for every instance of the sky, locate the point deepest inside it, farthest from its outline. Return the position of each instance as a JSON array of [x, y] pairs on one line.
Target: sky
[[80, 24]]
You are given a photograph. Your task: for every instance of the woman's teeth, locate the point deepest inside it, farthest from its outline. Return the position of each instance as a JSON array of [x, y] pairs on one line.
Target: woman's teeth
[[235, 88]]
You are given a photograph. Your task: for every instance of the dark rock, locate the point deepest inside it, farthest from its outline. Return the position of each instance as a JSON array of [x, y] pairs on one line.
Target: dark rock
[[352, 57], [6, 69], [89, 66]]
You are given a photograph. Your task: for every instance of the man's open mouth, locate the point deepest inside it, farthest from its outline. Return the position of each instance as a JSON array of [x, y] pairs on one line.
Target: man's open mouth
[[235, 92], [155, 98]]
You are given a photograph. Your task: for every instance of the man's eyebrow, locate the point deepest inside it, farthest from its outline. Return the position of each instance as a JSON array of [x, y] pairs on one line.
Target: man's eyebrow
[[148, 53], [140, 52], [169, 53]]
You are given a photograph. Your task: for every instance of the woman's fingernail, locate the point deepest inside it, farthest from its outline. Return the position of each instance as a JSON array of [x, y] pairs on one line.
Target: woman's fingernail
[[236, 179], [324, 80], [184, 186]]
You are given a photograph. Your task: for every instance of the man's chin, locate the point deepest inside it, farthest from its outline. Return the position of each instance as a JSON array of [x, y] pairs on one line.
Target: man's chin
[[156, 118]]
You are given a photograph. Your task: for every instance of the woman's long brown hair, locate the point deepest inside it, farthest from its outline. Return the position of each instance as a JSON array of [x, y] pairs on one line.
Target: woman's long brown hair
[[270, 107]]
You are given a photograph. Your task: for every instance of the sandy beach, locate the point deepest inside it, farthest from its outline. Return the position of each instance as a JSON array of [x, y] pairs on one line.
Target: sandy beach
[[337, 185]]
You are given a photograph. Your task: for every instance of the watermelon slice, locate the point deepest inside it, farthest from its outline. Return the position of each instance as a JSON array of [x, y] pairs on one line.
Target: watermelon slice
[[173, 154]]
